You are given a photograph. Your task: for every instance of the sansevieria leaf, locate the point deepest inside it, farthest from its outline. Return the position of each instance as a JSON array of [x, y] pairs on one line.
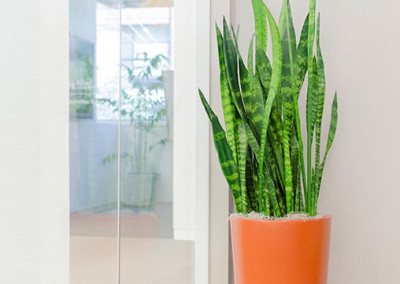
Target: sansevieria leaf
[[231, 59], [261, 24], [242, 142], [331, 136], [302, 55], [225, 155], [273, 90], [250, 57], [226, 98], [288, 81], [320, 97], [311, 113]]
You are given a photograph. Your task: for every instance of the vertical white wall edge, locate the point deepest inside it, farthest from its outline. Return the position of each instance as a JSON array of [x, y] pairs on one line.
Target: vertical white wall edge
[[191, 130], [53, 134], [202, 142]]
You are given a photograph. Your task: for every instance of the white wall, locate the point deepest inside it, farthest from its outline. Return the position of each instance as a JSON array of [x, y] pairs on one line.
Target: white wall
[[360, 43], [190, 153], [219, 191], [34, 231]]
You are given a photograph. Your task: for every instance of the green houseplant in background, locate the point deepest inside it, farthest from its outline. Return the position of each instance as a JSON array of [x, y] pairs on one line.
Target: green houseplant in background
[[143, 104], [81, 78], [261, 150]]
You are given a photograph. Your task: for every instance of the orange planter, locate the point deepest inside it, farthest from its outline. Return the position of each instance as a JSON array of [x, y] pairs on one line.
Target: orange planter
[[281, 251]]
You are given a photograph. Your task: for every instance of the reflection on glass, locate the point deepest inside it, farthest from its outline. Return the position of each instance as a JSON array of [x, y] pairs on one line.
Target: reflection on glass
[[123, 68], [149, 252], [94, 74]]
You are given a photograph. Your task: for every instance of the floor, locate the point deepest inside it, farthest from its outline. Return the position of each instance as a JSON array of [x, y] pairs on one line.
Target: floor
[[143, 261], [149, 254]]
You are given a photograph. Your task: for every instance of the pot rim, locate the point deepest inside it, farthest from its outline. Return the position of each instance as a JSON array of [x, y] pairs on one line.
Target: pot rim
[[318, 218]]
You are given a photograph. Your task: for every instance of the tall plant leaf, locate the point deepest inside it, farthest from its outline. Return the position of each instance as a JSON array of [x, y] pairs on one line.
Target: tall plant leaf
[[251, 185], [252, 96], [302, 55], [264, 70], [274, 87], [331, 137], [242, 161], [311, 113], [302, 66], [225, 155], [295, 160], [320, 99], [250, 57], [231, 59], [288, 90], [228, 106], [260, 24]]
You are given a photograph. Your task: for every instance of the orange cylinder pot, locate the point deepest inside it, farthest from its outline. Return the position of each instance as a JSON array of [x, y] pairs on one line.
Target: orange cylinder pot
[[281, 251]]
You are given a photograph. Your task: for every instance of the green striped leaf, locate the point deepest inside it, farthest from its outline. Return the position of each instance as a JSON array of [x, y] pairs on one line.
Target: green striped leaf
[[320, 109], [302, 56], [273, 164], [254, 145], [311, 114], [296, 169], [235, 37], [288, 82], [312, 103], [242, 160], [260, 24], [251, 166], [311, 32], [252, 96], [228, 106], [231, 58], [225, 155], [331, 137], [313, 208], [332, 127], [275, 135], [250, 57], [302, 66], [270, 193], [264, 70], [320, 99], [231, 61], [273, 90]]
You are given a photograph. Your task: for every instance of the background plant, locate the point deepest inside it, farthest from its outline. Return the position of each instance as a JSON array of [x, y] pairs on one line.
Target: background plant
[[143, 104], [261, 152]]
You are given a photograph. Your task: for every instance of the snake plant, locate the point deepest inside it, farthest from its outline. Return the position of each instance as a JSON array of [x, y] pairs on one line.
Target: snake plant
[[261, 150]]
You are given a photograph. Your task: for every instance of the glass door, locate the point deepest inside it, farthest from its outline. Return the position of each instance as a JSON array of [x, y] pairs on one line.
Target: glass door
[[139, 175], [149, 251], [94, 81]]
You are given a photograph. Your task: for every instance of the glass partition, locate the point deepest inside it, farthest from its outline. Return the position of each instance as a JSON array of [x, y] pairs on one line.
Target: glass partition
[[147, 64], [122, 199], [94, 80]]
